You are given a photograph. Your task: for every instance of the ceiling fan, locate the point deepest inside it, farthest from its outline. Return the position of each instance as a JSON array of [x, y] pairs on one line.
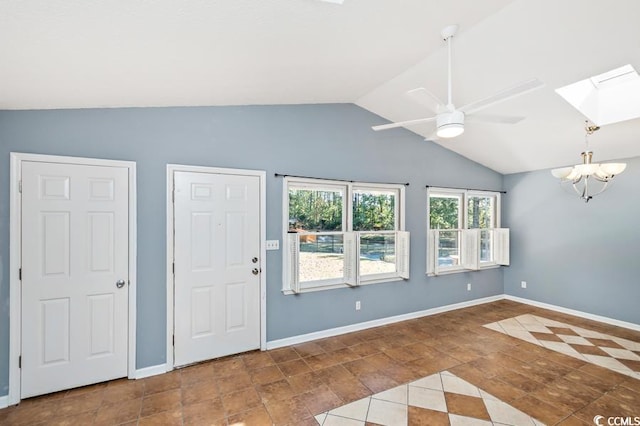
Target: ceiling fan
[[449, 119]]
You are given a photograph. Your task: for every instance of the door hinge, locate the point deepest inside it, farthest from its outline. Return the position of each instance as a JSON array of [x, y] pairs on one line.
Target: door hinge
[[173, 195], [20, 361], [20, 274], [173, 268], [173, 340], [20, 186]]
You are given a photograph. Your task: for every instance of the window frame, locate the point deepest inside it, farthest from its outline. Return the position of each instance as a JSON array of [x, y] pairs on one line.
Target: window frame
[[349, 188], [465, 237]]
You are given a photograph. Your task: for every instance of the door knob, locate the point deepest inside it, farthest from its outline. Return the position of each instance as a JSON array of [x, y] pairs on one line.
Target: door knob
[[120, 283], [255, 271], [254, 260]]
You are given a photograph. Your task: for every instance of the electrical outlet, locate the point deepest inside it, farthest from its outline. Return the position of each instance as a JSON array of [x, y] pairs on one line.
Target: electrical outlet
[[357, 305], [272, 245], [523, 284], [468, 286]]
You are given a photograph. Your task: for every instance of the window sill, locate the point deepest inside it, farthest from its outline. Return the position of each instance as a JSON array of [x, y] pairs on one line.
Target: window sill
[[287, 291], [460, 270]]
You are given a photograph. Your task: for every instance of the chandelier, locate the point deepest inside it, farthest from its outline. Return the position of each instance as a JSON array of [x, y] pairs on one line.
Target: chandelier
[[588, 179]]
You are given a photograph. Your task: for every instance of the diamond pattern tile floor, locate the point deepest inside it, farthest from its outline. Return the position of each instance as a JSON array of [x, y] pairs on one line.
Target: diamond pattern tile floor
[[615, 353], [441, 398]]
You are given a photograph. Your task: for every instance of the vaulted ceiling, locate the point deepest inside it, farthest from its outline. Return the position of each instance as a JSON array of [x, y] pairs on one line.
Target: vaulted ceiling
[[136, 53]]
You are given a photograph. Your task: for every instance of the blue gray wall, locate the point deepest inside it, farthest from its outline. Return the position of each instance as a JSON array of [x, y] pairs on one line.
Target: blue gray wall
[[331, 141], [571, 254]]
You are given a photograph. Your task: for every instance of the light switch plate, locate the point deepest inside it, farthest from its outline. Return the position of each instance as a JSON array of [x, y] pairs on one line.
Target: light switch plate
[[273, 245]]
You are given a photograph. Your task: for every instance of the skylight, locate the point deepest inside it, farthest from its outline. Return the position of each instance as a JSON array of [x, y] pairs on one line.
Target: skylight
[[606, 98]]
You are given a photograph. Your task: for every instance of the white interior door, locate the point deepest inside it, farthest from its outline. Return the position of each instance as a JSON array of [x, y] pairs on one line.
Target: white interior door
[[75, 231], [217, 265]]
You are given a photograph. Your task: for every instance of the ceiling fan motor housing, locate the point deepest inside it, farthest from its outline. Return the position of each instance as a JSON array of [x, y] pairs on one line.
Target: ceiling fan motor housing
[[450, 124]]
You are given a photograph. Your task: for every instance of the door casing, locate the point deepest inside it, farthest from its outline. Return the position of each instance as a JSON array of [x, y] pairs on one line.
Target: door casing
[[15, 249], [171, 168]]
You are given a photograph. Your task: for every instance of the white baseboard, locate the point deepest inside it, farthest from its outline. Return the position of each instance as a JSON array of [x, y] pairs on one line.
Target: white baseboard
[[154, 370], [4, 401], [581, 314], [294, 340]]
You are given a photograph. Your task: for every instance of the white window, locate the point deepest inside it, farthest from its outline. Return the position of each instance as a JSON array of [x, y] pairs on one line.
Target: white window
[[342, 234], [464, 231]]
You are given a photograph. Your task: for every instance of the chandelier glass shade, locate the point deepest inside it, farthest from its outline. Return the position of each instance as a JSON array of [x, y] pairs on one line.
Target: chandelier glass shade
[[588, 179]]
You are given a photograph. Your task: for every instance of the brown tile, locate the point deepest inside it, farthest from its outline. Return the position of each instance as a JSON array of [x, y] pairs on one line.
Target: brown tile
[[320, 400], [599, 384], [574, 421], [288, 410], [377, 382], [77, 419], [344, 355], [423, 366], [417, 416], [79, 404], [469, 373], [565, 360], [337, 373], [292, 368], [350, 391], [240, 401], [626, 395], [360, 366], [168, 418], [546, 413], [229, 366], [163, 401], [209, 412], [465, 405], [32, 413], [501, 390], [320, 361], [283, 355], [606, 406], [401, 373], [234, 382], [365, 349], [198, 392], [305, 382], [120, 412], [196, 373], [604, 374], [520, 381], [162, 382], [632, 384], [606, 343], [330, 344], [256, 416], [401, 354], [266, 375], [257, 359], [308, 349], [588, 350], [275, 391], [123, 390]]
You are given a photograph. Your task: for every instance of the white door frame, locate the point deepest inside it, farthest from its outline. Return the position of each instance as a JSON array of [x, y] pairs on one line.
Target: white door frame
[[15, 250], [261, 174]]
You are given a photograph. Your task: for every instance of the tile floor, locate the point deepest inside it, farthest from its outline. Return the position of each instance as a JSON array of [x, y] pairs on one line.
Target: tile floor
[[293, 385]]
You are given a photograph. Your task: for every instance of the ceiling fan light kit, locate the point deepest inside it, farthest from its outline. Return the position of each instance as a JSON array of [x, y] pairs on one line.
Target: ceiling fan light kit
[[450, 124], [449, 119], [582, 176]]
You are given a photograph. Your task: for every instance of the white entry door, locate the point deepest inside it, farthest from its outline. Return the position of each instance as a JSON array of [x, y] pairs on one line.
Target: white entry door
[[75, 239], [217, 265]]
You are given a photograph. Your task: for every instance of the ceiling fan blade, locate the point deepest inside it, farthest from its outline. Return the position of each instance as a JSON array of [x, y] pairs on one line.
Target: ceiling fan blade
[[425, 98], [491, 118], [503, 95], [403, 123]]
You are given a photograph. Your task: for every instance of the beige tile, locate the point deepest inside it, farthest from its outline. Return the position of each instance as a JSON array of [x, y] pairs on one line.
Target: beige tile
[[356, 410], [385, 412], [427, 398]]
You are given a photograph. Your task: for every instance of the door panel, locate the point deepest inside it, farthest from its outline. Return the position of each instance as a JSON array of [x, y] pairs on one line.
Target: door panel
[[75, 240], [216, 295]]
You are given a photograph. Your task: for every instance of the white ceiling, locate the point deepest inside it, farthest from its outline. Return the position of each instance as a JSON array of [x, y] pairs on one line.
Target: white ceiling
[[122, 53]]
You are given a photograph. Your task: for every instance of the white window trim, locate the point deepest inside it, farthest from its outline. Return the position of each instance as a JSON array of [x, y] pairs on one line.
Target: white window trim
[[349, 188], [432, 268]]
